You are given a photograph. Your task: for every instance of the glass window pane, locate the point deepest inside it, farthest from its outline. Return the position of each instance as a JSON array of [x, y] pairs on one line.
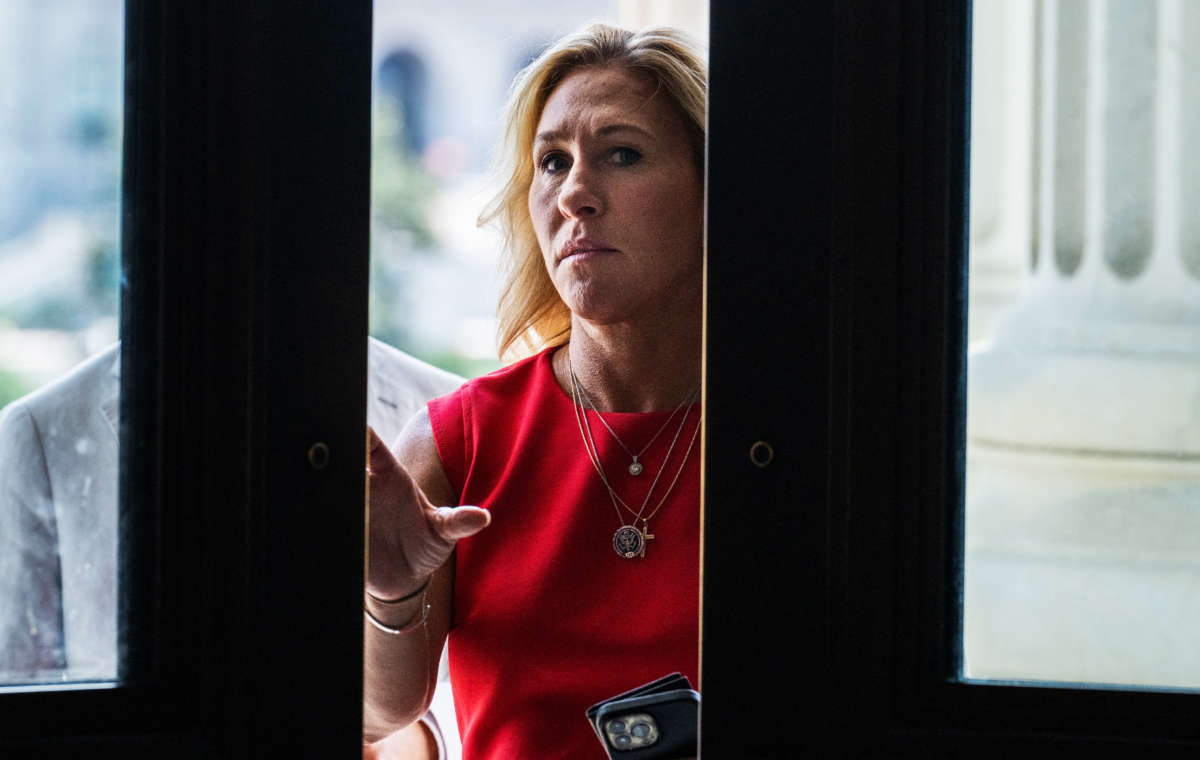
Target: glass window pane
[[1083, 455], [61, 85]]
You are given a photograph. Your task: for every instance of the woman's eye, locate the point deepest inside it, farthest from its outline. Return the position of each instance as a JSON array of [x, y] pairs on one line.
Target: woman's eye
[[626, 156], [552, 162]]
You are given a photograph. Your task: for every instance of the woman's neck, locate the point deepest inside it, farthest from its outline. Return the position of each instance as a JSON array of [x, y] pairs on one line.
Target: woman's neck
[[629, 368]]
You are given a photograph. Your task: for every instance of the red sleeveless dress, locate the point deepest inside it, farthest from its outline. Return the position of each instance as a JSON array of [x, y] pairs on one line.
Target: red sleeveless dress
[[547, 618]]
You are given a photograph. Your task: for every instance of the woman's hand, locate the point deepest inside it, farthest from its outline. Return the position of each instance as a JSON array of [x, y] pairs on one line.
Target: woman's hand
[[409, 538]]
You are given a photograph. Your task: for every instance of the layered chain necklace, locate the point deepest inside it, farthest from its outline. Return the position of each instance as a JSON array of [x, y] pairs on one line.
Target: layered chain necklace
[[629, 541], [635, 467]]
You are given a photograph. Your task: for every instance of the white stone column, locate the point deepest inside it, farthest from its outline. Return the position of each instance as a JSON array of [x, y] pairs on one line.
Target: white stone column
[[1003, 158], [1066, 90], [1127, 59], [1184, 40], [1083, 485]]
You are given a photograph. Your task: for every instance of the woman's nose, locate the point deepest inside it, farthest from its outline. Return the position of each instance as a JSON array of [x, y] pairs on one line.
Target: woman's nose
[[579, 196]]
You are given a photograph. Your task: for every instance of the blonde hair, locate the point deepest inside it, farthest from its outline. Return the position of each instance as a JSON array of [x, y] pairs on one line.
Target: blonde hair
[[531, 314]]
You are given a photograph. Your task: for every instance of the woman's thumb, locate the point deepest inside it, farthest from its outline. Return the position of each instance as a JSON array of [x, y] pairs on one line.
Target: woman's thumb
[[453, 523]]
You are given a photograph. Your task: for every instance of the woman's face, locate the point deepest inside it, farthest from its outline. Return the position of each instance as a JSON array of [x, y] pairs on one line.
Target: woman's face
[[616, 199]]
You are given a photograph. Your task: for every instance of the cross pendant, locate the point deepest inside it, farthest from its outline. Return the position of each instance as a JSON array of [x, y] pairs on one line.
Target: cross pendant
[[646, 535]]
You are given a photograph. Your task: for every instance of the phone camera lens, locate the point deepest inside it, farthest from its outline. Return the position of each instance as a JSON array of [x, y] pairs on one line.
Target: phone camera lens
[[616, 726], [640, 730], [623, 741]]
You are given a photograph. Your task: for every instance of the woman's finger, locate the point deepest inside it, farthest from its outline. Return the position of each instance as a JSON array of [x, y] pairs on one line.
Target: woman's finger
[[453, 523], [379, 456], [409, 537]]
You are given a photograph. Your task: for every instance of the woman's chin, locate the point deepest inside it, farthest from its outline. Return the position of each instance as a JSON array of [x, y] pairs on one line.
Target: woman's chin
[[601, 314], [597, 302]]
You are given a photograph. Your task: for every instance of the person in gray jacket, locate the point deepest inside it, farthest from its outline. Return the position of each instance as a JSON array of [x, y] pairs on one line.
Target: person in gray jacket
[[58, 509]]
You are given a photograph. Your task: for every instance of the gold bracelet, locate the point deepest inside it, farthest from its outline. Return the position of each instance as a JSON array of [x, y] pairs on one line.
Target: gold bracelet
[[412, 625]]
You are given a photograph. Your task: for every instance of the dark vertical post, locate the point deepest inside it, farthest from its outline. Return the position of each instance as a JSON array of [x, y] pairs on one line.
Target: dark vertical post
[[767, 376]]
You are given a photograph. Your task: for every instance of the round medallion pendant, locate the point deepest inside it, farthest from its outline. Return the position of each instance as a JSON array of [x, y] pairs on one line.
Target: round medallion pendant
[[628, 542], [636, 468]]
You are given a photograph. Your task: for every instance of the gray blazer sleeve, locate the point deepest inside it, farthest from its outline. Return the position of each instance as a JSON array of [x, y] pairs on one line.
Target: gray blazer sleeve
[[31, 629]]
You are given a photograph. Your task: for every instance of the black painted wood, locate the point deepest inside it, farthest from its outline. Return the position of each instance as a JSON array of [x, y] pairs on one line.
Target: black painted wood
[[767, 377]]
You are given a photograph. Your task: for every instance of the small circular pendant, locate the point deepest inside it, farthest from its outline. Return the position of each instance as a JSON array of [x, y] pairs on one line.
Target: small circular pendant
[[628, 542], [636, 468]]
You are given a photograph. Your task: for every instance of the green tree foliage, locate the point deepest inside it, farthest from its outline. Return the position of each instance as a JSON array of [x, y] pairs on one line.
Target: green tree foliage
[[93, 295], [400, 187], [401, 190], [12, 387]]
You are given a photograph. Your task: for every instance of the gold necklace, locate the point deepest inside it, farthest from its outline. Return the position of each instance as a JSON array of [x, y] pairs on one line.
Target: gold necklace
[[628, 541], [593, 452], [635, 467]]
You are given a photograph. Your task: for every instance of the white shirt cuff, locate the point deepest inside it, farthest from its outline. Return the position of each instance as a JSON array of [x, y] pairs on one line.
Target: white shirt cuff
[[430, 721]]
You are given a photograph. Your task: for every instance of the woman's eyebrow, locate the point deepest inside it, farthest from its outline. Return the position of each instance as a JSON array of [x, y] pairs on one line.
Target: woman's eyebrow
[[554, 135], [550, 136], [609, 129]]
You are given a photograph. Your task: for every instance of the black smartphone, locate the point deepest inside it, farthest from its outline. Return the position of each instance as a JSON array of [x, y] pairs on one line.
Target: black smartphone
[[655, 721]]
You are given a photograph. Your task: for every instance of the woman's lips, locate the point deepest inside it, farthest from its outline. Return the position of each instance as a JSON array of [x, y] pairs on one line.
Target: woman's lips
[[586, 252], [584, 248]]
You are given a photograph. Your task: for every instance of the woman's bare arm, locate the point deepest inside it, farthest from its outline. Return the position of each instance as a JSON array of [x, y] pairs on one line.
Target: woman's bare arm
[[410, 541], [413, 743]]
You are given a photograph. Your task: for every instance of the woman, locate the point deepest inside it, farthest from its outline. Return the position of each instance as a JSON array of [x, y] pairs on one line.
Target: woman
[[577, 575]]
